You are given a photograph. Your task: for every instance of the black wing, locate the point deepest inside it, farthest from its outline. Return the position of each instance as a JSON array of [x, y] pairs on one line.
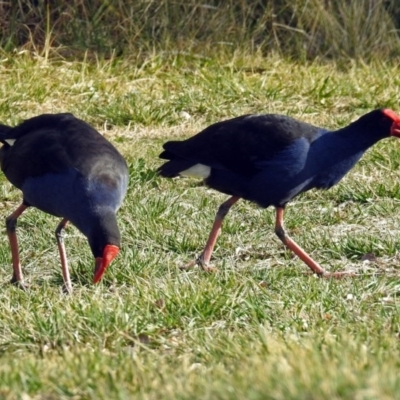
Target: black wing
[[53, 143], [239, 144]]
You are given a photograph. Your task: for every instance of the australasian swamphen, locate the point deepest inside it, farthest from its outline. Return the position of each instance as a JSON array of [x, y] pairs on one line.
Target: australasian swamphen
[[269, 159], [64, 167]]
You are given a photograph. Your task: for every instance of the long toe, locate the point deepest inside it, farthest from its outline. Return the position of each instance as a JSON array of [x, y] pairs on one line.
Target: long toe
[[188, 266], [209, 268], [339, 275]]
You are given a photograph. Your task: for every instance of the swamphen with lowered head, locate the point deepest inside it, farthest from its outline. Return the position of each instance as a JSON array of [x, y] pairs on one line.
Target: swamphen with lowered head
[[64, 167], [269, 159]]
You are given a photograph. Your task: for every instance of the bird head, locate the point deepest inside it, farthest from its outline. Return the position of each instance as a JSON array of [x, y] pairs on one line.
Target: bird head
[[395, 127]]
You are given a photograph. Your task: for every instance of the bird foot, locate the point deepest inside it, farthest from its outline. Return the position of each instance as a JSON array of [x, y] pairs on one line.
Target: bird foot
[[205, 266], [19, 284], [67, 289]]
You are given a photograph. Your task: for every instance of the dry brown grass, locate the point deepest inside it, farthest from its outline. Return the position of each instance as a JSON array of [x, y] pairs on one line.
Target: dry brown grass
[[303, 29]]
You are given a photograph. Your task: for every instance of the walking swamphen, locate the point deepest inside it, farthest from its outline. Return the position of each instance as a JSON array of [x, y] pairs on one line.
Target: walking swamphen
[[66, 168], [269, 159]]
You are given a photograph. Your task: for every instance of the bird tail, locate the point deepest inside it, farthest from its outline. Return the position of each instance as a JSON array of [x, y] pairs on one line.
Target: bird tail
[[5, 133], [174, 167], [176, 163]]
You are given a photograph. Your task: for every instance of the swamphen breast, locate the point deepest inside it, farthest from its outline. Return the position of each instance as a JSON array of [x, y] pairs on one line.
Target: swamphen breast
[[269, 159], [66, 168]]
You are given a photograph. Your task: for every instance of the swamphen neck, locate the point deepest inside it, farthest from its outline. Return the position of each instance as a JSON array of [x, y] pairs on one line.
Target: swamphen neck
[[373, 126], [64, 167], [269, 159]]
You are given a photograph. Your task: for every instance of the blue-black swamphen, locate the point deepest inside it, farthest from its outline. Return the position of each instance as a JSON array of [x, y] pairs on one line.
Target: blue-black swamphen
[[64, 167], [269, 159]]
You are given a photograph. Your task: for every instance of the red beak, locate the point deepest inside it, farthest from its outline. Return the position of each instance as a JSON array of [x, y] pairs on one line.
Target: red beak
[[102, 263], [395, 129]]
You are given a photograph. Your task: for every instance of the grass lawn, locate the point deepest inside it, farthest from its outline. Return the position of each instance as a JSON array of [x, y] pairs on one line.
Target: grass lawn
[[260, 328]]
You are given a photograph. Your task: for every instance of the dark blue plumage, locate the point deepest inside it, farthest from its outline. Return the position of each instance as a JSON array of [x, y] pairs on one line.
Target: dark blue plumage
[[65, 167], [269, 159]]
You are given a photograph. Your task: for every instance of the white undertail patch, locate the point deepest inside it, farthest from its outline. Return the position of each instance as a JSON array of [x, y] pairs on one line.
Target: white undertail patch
[[10, 141], [197, 171]]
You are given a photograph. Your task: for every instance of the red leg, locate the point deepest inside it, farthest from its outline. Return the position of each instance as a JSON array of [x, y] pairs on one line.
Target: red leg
[[63, 255], [292, 245], [11, 225], [204, 258]]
